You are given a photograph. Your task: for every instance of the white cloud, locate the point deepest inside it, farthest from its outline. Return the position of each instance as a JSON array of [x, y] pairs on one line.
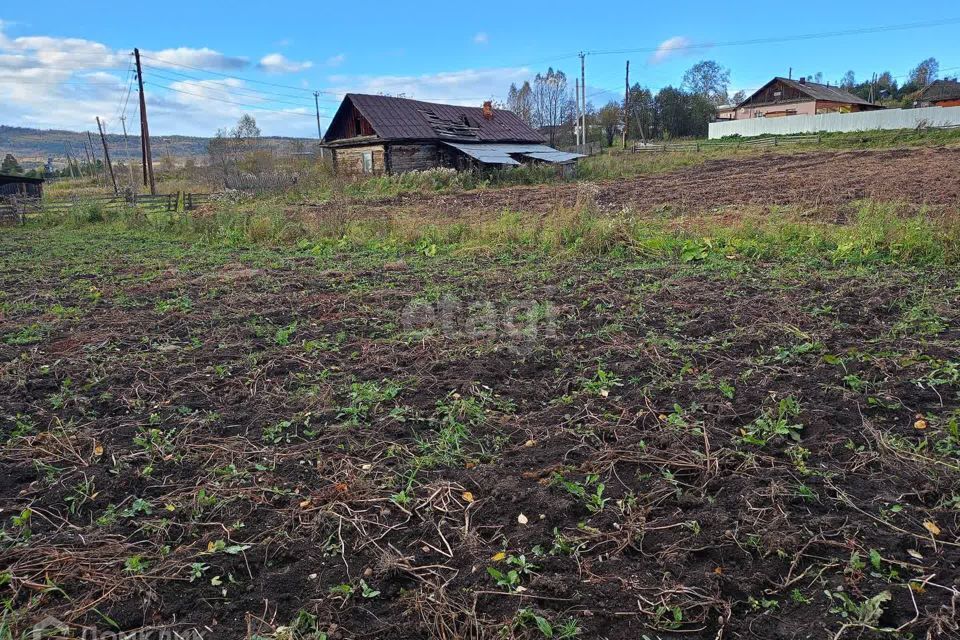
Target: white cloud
[[62, 83], [278, 63], [202, 58], [481, 38], [337, 60], [669, 48], [465, 87]]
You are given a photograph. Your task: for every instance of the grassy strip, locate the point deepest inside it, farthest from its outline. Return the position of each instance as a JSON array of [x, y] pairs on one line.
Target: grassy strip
[[876, 232]]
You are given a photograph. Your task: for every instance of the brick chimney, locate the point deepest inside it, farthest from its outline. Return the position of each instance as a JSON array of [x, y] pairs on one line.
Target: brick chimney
[[488, 110], [803, 80]]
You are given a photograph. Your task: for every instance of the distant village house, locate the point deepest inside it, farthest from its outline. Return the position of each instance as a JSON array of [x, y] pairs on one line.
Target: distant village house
[[940, 93], [786, 97], [383, 134], [22, 186]]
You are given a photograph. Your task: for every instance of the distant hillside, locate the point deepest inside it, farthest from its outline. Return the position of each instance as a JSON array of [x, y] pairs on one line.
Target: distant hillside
[[33, 146]]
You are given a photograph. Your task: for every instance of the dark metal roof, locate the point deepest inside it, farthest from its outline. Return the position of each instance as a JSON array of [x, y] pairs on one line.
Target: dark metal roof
[[9, 178], [818, 91], [940, 90], [405, 119]]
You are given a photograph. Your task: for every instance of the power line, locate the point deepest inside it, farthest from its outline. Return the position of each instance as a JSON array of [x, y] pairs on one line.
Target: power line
[[240, 104], [168, 74], [227, 75], [778, 39], [232, 92]]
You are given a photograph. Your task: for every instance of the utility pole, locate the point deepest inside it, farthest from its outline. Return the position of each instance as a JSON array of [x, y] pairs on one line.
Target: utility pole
[[576, 128], [66, 150], [790, 74], [93, 154], [144, 131], [626, 105], [126, 150], [583, 89], [86, 153], [106, 154], [316, 102]]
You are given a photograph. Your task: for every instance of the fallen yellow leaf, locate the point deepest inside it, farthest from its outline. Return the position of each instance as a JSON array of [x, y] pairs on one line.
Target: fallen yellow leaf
[[498, 556], [932, 527], [211, 547], [920, 424], [98, 449], [467, 496], [305, 503]]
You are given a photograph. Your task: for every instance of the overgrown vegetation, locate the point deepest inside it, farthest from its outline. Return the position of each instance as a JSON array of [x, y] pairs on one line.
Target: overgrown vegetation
[[617, 423]]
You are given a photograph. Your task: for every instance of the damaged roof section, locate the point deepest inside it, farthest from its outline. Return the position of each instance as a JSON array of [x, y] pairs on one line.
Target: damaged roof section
[[508, 154], [402, 119]]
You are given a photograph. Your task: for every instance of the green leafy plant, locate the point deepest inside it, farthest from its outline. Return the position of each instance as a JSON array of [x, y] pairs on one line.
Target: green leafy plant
[[774, 424], [590, 491], [282, 335], [135, 565], [197, 569], [601, 383], [364, 396]]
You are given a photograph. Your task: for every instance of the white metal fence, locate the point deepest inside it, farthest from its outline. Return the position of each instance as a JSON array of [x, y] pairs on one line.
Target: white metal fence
[[863, 121]]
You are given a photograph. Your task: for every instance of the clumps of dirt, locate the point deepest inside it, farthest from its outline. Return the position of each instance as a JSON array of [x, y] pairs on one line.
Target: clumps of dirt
[[673, 452], [816, 179]]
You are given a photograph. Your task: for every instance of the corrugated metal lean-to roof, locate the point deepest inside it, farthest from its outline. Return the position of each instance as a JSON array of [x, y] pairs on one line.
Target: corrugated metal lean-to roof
[[502, 153]]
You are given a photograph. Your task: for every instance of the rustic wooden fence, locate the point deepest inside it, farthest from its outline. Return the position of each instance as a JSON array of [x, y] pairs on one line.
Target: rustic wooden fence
[[14, 210]]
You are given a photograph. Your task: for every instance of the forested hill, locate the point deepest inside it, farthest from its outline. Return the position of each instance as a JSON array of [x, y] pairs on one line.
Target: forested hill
[[38, 144]]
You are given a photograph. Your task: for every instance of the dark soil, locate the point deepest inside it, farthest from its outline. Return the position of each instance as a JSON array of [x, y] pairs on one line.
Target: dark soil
[[816, 179], [191, 459]]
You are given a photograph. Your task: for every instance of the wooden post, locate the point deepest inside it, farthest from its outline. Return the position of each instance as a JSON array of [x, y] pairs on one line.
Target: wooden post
[[583, 89], [626, 106], [93, 154], [576, 90], [145, 131], [106, 154], [126, 151]]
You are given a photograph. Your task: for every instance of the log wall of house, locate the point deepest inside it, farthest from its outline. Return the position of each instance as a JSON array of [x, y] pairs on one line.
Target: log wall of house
[[413, 157], [403, 157], [350, 159]]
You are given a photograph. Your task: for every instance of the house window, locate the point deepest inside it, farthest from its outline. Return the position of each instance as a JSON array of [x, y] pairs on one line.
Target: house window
[[367, 161], [358, 126]]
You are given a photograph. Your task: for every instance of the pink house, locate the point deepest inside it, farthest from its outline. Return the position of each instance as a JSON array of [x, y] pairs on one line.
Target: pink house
[[785, 97]]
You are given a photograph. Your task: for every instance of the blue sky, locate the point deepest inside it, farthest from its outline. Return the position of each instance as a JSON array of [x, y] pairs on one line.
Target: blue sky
[[63, 63]]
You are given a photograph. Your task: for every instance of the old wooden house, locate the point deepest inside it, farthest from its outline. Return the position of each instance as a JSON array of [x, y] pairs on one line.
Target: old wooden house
[[940, 93], [786, 97], [22, 186], [383, 134]]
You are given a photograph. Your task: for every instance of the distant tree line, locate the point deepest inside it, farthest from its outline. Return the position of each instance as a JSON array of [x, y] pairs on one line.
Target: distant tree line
[[548, 102]]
